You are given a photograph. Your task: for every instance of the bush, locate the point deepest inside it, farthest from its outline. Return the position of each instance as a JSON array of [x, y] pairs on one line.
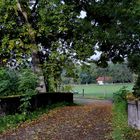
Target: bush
[[8, 82], [27, 85], [27, 82], [67, 88], [17, 83], [13, 82], [120, 95]]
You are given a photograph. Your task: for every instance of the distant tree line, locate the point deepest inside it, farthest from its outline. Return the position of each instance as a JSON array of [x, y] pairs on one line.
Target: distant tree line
[[87, 74]]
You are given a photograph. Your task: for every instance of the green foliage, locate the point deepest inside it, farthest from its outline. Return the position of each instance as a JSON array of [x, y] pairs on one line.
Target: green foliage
[[120, 96], [120, 73], [14, 82], [55, 28], [135, 67], [87, 74], [56, 68], [8, 82], [119, 122], [121, 130], [136, 88], [52, 72], [27, 82], [133, 63], [10, 121], [25, 103], [27, 85], [67, 88]]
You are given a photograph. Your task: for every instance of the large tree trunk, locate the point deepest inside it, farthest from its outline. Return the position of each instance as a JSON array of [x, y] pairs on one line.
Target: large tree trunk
[[38, 70], [34, 49]]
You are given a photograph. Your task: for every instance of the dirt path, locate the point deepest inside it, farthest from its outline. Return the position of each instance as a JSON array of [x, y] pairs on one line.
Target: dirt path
[[87, 122]]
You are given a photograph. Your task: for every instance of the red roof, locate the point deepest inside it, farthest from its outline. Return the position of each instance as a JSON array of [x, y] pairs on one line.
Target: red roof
[[104, 78]]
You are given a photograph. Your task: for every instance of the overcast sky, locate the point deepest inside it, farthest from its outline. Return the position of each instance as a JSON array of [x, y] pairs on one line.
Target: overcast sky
[[97, 55]]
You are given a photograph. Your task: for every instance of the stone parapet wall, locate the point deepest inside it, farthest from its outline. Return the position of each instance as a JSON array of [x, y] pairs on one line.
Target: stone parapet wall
[[10, 105], [134, 114]]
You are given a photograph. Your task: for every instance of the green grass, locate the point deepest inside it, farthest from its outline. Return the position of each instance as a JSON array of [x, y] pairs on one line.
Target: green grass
[[121, 130], [119, 122], [99, 91]]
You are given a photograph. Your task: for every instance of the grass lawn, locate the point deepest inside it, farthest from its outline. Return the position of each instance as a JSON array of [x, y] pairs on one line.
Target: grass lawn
[[99, 91]]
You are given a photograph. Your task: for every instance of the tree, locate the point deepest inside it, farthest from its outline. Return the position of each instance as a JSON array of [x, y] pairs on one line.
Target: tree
[[18, 15], [49, 26], [39, 29], [115, 27], [120, 73]]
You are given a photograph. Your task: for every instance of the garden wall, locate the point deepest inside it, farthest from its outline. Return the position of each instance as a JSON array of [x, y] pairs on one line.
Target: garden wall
[[10, 105], [134, 114]]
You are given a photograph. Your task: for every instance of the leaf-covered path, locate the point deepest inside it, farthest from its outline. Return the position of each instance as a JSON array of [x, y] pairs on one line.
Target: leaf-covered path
[[87, 122]]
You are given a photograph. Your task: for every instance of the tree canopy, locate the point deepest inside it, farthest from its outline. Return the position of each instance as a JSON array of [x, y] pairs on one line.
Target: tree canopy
[[115, 26], [46, 29], [110, 24]]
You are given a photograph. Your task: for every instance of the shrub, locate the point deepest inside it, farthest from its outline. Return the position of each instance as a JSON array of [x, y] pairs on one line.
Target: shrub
[[27, 82], [13, 82], [8, 82], [120, 95], [27, 85], [67, 88], [130, 96]]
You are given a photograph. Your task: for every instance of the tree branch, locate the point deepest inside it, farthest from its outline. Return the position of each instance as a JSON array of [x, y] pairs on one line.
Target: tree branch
[[23, 12]]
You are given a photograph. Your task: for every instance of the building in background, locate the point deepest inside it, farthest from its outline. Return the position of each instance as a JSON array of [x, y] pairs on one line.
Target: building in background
[[104, 80]]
